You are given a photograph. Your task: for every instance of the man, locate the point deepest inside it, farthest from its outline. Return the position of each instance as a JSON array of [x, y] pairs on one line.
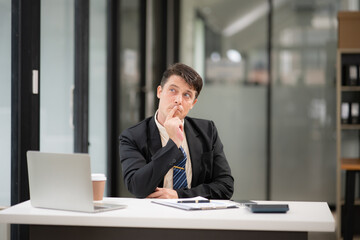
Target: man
[[171, 155]]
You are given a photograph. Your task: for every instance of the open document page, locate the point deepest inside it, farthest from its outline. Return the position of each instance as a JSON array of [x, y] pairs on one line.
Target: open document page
[[197, 203]]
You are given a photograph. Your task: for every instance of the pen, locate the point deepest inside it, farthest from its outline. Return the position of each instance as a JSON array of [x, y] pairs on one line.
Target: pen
[[194, 201]]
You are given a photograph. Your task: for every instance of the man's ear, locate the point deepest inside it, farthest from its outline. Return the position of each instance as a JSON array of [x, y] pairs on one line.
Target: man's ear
[[158, 91], [195, 101]]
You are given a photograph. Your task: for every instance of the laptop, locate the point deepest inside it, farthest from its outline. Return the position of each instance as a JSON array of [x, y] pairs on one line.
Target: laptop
[[63, 181]]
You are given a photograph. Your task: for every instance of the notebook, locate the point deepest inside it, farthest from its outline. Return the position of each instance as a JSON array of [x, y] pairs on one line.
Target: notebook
[[63, 181], [196, 203]]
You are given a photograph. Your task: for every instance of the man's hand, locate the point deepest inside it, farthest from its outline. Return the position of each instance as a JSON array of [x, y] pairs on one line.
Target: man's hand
[[174, 126], [163, 193]]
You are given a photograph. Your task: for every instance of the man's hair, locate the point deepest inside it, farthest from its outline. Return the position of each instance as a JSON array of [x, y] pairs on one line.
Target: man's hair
[[190, 76]]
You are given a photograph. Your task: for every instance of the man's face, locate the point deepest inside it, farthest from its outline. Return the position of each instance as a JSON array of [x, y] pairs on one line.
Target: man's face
[[176, 92]]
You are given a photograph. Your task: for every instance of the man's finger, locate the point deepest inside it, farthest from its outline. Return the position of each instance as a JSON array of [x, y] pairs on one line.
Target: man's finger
[[171, 113], [155, 194], [180, 108]]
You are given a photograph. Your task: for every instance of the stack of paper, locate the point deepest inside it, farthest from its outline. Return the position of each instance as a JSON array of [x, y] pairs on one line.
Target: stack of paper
[[197, 203]]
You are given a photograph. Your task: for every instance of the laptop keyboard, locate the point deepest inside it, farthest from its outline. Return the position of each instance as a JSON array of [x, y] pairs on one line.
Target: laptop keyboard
[[105, 206], [99, 206]]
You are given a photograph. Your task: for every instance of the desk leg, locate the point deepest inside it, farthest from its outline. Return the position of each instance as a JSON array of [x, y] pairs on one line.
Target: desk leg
[[349, 205]]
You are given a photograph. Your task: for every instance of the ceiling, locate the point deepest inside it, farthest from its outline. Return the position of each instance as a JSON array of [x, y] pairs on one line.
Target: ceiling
[[244, 23], [220, 14]]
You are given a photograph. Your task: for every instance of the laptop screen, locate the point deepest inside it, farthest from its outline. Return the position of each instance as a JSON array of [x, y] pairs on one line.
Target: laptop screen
[[60, 181]]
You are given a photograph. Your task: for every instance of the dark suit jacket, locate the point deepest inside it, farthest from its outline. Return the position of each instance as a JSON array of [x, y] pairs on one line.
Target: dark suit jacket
[[145, 162]]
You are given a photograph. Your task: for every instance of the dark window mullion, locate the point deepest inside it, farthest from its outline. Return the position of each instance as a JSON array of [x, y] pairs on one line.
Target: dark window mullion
[[269, 104], [81, 92], [112, 106], [142, 43], [25, 104], [173, 29]]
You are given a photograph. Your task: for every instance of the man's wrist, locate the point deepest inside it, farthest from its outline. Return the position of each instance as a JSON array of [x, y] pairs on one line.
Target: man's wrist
[[177, 142]]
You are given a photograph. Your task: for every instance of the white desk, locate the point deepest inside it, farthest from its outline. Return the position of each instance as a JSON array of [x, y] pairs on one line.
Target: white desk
[[142, 217]]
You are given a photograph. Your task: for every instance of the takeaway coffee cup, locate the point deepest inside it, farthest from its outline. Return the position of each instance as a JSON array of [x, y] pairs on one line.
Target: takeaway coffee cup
[[98, 182]]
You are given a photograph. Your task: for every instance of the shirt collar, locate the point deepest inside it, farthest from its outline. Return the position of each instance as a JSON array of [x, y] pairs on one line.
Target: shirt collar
[[161, 128], [159, 124]]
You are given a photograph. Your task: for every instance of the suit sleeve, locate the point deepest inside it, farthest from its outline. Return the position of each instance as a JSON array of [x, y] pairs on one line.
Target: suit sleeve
[[218, 183], [141, 176]]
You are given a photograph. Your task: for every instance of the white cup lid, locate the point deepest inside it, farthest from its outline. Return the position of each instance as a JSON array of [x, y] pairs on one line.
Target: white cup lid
[[98, 177]]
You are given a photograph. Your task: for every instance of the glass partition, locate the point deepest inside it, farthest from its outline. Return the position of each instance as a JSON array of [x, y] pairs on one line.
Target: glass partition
[[57, 80], [5, 101], [97, 86], [129, 60], [129, 87], [229, 49], [226, 41], [304, 100], [57, 76]]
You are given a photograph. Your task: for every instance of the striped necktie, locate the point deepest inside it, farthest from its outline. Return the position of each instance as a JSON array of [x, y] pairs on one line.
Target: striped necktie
[[179, 176]]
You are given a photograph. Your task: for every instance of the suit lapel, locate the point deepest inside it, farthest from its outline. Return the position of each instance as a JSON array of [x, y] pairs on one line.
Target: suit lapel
[[154, 141], [195, 150]]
